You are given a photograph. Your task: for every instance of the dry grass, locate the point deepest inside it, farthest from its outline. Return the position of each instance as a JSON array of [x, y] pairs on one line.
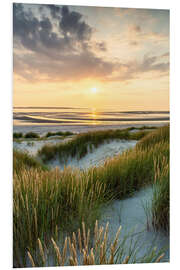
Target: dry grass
[[79, 251], [45, 201], [81, 143]]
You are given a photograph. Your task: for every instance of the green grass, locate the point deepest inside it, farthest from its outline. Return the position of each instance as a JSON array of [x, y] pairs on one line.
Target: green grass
[[17, 135], [158, 136], [80, 144], [32, 135], [81, 249], [45, 201], [160, 203], [59, 133], [23, 161]]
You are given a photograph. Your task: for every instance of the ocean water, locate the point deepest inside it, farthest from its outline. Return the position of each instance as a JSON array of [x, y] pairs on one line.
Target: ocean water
[[78, 119]]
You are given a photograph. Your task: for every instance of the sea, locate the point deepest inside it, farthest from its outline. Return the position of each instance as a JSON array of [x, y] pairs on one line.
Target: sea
[[81, 119]]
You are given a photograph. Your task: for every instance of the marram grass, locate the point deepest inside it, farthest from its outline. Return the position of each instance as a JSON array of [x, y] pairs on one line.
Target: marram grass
[[46, 200], [160, 203], [82, 143], [24, 161], [80, 249]]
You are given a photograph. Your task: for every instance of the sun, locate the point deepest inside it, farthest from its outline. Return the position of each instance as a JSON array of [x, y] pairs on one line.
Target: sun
[[93, 90]]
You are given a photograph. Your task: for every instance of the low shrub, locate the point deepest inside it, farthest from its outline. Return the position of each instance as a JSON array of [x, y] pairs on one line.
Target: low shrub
[[32, 135]]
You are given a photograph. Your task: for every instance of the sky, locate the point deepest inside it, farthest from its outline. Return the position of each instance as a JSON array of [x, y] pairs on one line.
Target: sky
[[90, 57]]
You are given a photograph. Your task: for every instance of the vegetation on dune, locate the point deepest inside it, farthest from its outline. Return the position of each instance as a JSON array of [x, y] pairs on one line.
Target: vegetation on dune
[[59, 133], [23, 161], [158, 136], [44, 200], [160, 203], [35, 135], [83, 142], [31, 135], [47, 201], [17, 135], [80, 249], [131, 170]]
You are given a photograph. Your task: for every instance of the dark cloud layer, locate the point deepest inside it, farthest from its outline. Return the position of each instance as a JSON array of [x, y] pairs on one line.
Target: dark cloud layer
[[61, 47], [71, 23]]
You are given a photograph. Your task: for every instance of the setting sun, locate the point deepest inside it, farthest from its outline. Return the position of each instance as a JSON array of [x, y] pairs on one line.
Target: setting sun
[[94, 90]]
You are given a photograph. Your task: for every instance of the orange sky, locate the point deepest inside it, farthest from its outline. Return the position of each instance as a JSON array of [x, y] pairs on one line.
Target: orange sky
[[93, 57]]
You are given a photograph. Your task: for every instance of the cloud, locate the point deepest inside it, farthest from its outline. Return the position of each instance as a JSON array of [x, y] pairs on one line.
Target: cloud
[[134, 29], [35, 34], [134, 69], [165, 55], [57, 44], [68, 67], [66, 53], [54, 10], [72, 24]]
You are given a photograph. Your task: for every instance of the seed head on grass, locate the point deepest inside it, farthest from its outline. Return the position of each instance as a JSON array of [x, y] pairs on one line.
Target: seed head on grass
[[58, 254], [31, 259], [41, 251], [79, 240], [160, 258], [64, 253]]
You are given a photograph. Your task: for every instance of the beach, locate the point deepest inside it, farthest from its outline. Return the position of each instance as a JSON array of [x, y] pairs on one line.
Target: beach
[[133, 213]]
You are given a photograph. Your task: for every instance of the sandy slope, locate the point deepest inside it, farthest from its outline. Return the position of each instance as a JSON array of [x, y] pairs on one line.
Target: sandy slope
[[32, 146], [97, 156]]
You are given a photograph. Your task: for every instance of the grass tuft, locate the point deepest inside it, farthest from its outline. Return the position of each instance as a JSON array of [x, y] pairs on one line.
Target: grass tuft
[[46, 200], [23, 161], [31, 135], [102, 250], [59, 133], [17, 135], [81, 143]]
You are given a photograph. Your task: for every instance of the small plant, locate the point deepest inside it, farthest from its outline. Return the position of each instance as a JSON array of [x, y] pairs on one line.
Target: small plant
[[32, 135], [30, 143], [17, 135], [59, 133]]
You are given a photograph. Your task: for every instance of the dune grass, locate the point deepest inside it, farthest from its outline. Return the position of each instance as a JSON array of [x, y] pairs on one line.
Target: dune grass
[[82, 143], [59, 133], [17, 135], [160, 203], [80, 249], [24, 161], [31, 135], [45, 201], [161, 135]]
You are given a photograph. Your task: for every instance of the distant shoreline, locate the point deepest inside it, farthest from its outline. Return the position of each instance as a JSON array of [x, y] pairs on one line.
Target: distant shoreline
[[80, 128], [32, 120]]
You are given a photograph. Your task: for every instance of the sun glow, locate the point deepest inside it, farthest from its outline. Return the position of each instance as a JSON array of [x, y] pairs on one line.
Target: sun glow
[[93, 90]]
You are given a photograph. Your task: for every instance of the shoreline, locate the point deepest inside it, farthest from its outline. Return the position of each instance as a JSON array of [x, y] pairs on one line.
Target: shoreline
[[42, 129], [107, 189], [35, 120]]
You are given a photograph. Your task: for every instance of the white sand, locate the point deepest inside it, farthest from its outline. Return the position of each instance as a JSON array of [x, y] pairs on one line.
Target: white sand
[[32, 146], [130, 213], [137, 130], [98, 156]]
